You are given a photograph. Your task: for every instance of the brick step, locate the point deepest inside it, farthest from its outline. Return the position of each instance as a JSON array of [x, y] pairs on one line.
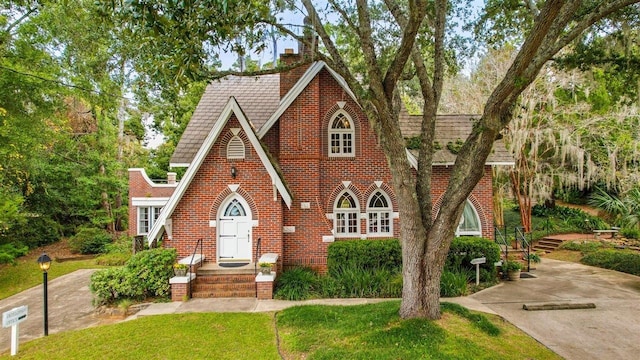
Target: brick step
[[224, 294], [224, 287], [225, 279]]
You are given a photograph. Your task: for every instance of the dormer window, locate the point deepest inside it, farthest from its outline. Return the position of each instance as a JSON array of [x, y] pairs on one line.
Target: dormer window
[[341, 136]]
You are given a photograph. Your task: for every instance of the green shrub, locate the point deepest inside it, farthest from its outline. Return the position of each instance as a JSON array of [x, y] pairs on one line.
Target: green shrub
[[358, 282], [9, 252], [90, 240], [623, 261], [113, 259], [146, 274], [365, 254], [465, 248], [630, 233], [296, 284], [38, 231], [583, 247], [454, 282]]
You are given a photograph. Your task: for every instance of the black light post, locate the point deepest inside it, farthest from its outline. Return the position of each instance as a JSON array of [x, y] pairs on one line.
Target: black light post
[[45, 262]]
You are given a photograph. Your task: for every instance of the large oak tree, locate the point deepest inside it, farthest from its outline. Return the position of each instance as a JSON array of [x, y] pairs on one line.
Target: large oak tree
[[393, 39]]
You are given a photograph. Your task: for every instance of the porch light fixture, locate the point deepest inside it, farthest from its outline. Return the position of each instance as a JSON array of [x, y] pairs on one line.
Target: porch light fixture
[[45, 263], [234, 172]]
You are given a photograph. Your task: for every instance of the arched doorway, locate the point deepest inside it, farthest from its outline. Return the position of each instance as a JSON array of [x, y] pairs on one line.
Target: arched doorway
[[234, 230]]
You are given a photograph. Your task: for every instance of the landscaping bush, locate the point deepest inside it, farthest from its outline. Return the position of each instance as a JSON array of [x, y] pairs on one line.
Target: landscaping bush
[[9, 252], [365, 254], [454, 282], [583, 247], [630, 233], [90, 240], [465, 248], [623, 261], [146, 274], [296, 284], [358, 282]]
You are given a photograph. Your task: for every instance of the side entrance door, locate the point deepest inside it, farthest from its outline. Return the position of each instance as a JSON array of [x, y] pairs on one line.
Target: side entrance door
[[234, 231]]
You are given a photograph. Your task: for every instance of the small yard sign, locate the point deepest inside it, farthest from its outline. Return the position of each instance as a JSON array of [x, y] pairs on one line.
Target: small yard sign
[[11, 319], [14, 316], [477, 262]]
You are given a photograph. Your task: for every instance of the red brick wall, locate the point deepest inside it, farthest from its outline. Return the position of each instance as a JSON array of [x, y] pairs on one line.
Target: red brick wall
[[141, 186], [208, 190]]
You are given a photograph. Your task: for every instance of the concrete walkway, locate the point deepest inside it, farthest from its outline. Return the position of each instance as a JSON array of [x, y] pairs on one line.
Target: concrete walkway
[[610, 331]]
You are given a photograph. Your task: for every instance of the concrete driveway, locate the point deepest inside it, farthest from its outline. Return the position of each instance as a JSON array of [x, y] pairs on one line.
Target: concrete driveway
[[610, 331], [70, 307]]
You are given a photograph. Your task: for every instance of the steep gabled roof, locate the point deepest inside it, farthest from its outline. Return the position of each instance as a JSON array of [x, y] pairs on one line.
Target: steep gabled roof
[[450, 129], [259, 97], [297, 89], [231, 108]]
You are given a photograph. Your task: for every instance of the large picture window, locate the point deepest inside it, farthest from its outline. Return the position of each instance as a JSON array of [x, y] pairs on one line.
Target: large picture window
[[341, 135], [147, 216], [346, 216], [379, 215]]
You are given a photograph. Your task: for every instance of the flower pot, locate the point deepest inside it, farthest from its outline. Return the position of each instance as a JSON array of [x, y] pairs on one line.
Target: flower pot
[[265, 270], [514, 275], [180, 272]]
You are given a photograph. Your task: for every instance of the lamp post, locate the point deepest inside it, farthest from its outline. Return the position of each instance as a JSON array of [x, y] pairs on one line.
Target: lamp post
[[45, 262]]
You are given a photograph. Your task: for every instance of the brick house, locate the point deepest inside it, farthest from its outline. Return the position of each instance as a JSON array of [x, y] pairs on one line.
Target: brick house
[[279, 167]]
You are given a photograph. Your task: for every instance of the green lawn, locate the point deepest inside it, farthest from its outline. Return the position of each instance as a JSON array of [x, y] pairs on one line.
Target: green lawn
[[310, 332], [26, 273]]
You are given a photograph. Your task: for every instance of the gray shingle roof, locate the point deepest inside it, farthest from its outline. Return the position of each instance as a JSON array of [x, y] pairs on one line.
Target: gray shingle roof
[[450, 128], [259, 97]]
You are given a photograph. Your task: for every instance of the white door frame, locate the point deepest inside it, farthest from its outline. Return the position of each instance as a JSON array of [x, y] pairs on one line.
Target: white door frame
[[236, 246]]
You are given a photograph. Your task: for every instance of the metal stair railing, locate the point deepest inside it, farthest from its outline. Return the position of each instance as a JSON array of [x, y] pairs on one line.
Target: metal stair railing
[[256, 259], [525, 245], [193, 255], [501, 238]]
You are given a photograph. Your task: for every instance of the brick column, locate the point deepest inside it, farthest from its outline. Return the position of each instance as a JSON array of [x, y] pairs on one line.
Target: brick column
[[265, 284], [180, 286]]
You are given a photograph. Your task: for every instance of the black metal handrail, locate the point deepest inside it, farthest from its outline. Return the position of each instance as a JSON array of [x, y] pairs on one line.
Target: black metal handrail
[[258, 254], [501, 238], [521, 237], [256, 259], [193, 255]]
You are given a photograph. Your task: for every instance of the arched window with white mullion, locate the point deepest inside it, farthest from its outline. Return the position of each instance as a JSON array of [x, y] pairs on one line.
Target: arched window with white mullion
[[346, 220], [341, 135], [379, 221]]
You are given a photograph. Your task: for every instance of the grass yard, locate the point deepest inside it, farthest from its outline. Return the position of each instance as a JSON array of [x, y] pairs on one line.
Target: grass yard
[[369, 332]]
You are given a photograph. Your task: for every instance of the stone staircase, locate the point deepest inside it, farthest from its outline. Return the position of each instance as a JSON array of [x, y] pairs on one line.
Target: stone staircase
[[213, 281], [547, 244]]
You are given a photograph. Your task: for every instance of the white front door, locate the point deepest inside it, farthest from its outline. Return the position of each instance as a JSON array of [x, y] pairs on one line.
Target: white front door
[[234, 231]]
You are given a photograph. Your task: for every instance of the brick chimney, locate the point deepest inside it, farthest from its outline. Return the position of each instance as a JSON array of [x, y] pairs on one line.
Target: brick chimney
[[289, 78]]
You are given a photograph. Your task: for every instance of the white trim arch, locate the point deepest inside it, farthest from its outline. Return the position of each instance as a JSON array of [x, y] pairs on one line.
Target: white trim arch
[[341, 135], [470, 224], [379, 214], [346, 215]]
